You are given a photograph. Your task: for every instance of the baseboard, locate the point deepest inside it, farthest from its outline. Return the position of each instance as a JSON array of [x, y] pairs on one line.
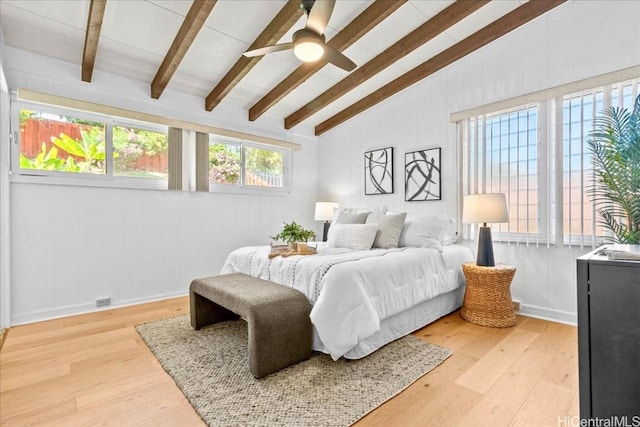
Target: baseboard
[[548, 314], [3, 336], [73, 310]]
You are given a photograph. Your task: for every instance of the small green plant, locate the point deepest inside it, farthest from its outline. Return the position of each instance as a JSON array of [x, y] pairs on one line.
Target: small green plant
[[293, 232]]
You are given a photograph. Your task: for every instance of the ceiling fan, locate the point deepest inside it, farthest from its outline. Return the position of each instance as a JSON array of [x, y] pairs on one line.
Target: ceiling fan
[[308, 43]]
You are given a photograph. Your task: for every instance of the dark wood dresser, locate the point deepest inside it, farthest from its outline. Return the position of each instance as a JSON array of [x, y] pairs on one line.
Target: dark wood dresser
[[609, 334]]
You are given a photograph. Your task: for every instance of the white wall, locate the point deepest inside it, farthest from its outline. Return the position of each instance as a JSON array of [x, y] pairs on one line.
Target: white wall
[[578, 39], [4, 196], [71, 245]]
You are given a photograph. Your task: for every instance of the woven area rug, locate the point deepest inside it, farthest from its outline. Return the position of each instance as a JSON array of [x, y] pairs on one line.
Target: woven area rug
[[211, 368]]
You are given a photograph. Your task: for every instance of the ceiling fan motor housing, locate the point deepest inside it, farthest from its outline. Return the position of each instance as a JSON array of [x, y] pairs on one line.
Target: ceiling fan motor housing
[[305, 35]]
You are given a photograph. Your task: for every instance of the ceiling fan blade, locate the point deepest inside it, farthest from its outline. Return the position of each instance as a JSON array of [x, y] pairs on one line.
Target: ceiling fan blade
[[319, 15], [338, 59], [268, 49]]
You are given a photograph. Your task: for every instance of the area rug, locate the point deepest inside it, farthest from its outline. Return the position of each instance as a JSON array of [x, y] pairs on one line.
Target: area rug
[[211, 368]]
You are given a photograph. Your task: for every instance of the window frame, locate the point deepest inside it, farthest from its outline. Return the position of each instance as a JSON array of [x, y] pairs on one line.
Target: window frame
[[551, 171], [242, 187], [477, 184], [108, 179]]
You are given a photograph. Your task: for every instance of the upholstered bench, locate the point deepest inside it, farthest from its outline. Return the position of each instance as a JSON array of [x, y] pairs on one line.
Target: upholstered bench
[[280, 331]]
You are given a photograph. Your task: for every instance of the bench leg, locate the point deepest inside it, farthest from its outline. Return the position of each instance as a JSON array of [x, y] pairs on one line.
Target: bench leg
[[205, 312], [278, 339]]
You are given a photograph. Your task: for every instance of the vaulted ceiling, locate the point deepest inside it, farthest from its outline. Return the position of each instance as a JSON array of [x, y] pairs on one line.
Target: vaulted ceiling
[[196, 46]]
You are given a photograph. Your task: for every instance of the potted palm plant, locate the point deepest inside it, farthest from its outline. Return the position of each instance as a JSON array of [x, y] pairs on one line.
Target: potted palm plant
[[615, 148]]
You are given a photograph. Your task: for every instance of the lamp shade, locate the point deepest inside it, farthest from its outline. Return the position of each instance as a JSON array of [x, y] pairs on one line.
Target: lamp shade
[[487, 208], [324, 211]]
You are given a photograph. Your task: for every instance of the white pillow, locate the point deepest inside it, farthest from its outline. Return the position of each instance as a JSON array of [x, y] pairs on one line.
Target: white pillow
[[342, 217], [352, 236], [419, 229], [389, 229]]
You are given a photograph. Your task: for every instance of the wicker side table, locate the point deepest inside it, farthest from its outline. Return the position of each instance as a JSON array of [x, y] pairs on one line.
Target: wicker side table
[[487, 299]]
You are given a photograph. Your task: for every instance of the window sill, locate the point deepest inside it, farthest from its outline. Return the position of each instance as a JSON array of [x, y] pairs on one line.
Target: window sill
[[248, 190], [98, 181]]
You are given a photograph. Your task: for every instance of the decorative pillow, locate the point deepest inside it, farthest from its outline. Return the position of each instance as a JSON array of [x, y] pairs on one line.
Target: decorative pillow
[[389, 229], [350, 218], [352, 236], [376, 210], [342, 217], [418, 229]]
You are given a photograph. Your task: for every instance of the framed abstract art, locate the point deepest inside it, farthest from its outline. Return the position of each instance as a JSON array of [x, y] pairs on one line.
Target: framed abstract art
[[422, 175], [378, 171]]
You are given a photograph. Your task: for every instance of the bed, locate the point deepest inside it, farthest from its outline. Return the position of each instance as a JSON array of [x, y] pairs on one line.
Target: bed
[[364, 299]]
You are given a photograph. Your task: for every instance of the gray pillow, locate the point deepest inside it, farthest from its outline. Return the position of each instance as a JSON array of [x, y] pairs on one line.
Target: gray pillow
[[351, 218], [389, 229]]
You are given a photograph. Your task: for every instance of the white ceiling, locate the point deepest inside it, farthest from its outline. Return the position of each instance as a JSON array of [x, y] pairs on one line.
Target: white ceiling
[[136, 35]]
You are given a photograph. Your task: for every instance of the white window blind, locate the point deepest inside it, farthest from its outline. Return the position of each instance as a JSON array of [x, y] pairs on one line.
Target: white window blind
[[537, 155]]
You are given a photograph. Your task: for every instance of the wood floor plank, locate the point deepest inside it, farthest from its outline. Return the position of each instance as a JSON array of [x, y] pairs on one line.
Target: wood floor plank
[[545, 406], [574, 407], [484, 374], [43, 416], [427, 398], [501, 403], [485, 339], [114, 379], [32, 374]]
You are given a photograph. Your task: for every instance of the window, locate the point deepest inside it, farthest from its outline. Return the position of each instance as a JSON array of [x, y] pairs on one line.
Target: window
[[140, 152], [244, 165], [54, 142], [225, 163], [503, 158], [537, 155], [58, 142], [96, 145]]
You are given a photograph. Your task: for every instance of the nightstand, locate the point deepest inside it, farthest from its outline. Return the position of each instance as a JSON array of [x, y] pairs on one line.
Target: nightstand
[[487, 299]]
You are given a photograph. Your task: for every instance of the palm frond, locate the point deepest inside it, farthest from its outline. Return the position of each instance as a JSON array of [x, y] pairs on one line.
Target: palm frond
[[615, 188]]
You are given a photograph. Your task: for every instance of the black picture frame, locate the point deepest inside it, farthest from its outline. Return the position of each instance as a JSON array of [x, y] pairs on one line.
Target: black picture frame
[[378, 171], [422, 175]]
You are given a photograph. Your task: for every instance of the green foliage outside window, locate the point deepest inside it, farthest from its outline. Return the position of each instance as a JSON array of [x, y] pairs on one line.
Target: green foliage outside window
[[135, 152], [131, 144], [224, 163], [89, 152], [263, 167]]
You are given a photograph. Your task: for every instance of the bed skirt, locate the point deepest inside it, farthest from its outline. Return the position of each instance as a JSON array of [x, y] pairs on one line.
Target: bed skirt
[[402, 324]]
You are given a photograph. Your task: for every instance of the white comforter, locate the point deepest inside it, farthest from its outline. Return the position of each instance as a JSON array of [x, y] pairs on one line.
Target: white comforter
[[352, 291]]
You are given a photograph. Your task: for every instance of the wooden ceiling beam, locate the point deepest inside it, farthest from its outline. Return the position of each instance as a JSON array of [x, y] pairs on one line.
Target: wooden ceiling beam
[[421, 35], [509, 22], [362, 24], [283, 21], [191, 26], [91, 37]]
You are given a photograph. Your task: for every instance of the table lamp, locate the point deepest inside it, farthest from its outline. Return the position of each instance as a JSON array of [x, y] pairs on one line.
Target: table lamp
[[324, 212], [485, 209]]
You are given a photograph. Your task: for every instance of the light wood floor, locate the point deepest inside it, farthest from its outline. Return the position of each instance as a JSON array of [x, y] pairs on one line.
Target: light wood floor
[[94, 369]]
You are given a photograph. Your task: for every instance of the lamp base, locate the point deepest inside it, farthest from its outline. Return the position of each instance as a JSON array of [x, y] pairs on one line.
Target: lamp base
[[485, 248], [325, 231]]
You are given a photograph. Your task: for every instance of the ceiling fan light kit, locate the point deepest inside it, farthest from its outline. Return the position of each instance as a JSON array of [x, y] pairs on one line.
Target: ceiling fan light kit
[[307, 45]]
